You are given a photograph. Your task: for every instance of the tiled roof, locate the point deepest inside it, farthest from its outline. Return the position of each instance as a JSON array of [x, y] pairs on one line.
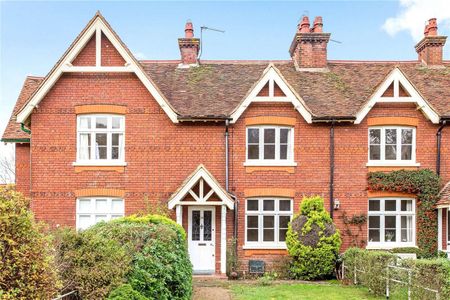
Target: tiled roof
[[13, 130], [216, 88], [444, 196]]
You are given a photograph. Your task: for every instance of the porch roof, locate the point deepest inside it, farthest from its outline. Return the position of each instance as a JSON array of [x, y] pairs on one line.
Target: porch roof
[[200, 175], [444, 200]]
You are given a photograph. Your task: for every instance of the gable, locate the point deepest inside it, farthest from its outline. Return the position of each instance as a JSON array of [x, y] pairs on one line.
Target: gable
[[396, 88], [97, 41], [272, 87]]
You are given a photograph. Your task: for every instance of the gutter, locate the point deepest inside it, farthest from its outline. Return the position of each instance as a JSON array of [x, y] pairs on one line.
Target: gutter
[[331, 119], [438, 146], [22, 127]]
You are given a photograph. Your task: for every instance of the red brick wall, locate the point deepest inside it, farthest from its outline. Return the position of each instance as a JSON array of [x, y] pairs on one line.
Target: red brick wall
[[23, 168], [110, 56], [86, 57]]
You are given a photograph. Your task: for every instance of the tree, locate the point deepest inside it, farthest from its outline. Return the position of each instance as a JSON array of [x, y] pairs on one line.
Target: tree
[[7, 169]]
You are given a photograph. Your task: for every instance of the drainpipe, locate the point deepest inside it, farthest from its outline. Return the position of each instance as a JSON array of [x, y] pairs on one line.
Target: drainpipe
[[438, 142], [332, 168], [227, 124]]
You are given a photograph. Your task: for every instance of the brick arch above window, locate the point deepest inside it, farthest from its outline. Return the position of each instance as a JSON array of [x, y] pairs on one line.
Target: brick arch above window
[[102, 192], [403, 121], [100, 108], [384, 194], [270, 120], [269, 192]]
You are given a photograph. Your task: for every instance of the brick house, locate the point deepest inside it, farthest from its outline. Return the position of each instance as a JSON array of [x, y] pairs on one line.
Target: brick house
[[231, 147]]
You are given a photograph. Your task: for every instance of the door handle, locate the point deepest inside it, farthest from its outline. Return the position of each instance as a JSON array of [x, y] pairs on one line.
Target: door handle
[[202, 244]]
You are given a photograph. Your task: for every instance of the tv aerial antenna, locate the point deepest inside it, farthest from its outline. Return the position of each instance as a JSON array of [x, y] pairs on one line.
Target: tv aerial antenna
[[203, 28]]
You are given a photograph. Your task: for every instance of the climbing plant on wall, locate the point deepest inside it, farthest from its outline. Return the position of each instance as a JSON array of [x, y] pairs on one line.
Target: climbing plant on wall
[[425, 184]]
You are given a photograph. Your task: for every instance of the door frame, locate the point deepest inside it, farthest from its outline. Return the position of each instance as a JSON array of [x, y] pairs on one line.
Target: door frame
[[213, 226]]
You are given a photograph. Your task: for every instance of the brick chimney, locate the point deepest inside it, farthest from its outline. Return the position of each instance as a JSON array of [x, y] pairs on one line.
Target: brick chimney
[[430, 48], [189, 46], [309, 47]]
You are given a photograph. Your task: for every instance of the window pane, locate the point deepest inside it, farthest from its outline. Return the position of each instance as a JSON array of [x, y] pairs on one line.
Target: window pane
[[117, 205], [406, 228], [283, 151], [85, 146], [85, 122], [252, 221], [269, 205], [391, 136], [101, 122], [406, 205], [374, 235], [195, 225], [269, 135], [406, 152], [100, 218], [252, 205], [284, 134], [252, 235], [84, 221], [116, 122], [375, 152], [268, 235], [407, 136], [269, 151], [116, 145], [374, 222], [390, 228], [375, 136], [284, 221], [282, 234], [253, 135], [374, 205], [391, 152], [269, 221], [253, 151], [84, 205], [101, 205], [207, 219], [390, 205], [285, 205], [100, 149]]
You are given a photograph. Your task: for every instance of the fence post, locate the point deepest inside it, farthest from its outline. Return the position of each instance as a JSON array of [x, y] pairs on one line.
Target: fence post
[[409, 284], [354, 276], [387, 282], [343, 270]]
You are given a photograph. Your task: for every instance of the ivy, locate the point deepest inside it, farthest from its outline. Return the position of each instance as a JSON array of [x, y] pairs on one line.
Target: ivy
[[425, 184]]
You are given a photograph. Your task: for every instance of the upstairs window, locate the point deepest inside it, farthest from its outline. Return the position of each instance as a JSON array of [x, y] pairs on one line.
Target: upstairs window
[[392, 145], [100, 138], [269, 144]]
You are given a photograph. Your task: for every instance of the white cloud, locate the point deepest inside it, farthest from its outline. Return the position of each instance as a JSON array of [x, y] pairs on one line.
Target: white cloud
[[414, 14], [140, 55]]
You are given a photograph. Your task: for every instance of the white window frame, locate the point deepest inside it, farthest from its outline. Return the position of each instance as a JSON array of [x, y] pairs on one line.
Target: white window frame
[[260, 244], [447, 229], [398, 161], [271, 162], [93, 212], [93, 131], [398, 213]]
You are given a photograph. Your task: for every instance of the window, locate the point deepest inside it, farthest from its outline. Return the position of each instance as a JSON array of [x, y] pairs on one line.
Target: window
[[93, 210], [391, 222], [100, 138], [270, 144], [267, 222], [392, 145]]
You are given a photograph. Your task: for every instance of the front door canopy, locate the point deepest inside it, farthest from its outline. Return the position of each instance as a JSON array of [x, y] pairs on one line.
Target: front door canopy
[[203, 178]]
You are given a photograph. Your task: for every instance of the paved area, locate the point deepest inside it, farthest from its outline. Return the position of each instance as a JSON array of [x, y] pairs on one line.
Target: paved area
[[211, 288]]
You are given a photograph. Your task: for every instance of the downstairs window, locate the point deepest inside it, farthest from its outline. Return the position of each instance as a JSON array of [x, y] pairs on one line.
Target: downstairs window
[[93, 210]]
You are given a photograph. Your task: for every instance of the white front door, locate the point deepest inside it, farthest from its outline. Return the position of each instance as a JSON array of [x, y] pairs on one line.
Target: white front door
[[201, 239]]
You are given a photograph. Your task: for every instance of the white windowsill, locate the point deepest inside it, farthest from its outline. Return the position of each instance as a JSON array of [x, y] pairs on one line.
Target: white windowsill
[[100, 163], [386, 246], [264, 247], [392, 164], [264, 163]]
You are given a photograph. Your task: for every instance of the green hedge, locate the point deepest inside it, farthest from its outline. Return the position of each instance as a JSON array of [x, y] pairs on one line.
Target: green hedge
[[372, 272], [151, 255]]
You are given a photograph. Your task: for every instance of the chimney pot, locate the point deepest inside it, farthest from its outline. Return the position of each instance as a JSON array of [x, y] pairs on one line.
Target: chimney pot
[[430, 48], [304, 25], [432, 27], [189, 30], [318, 25]]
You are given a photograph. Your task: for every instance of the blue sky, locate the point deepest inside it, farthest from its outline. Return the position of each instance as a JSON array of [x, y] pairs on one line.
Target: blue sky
[[33, 35]]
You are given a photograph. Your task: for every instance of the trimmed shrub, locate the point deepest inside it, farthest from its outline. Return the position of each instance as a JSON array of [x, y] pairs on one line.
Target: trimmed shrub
[[91, 264], [126, 292], [313, 241], [26, 256]]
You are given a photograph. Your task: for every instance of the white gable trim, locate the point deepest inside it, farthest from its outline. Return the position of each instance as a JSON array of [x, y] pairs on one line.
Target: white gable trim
[[96, 27], [397, 77], [272, 75], [201, 175]]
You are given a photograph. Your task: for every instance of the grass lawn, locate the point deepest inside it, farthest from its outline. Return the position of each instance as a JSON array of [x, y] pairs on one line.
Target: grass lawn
[[325, 291]]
